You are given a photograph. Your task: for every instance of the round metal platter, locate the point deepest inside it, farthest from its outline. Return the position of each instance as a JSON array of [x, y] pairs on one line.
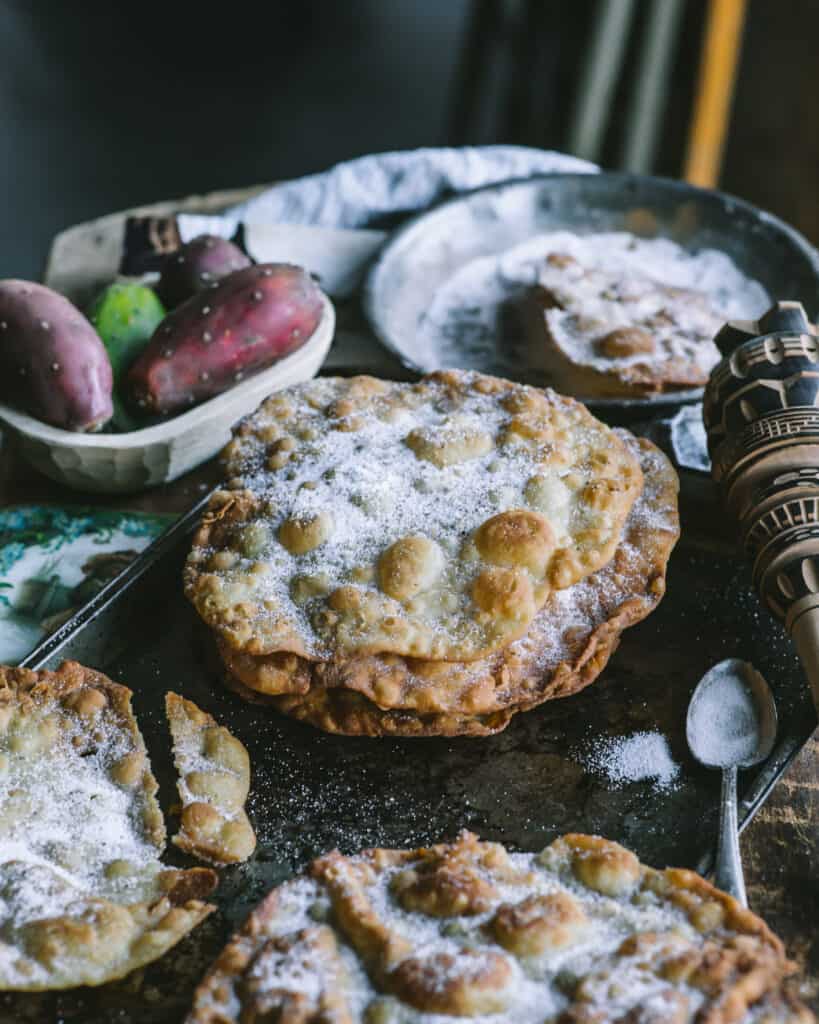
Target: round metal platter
[[424, 254]]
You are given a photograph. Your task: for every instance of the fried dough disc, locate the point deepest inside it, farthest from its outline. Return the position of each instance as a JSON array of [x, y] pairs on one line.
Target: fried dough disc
[[429, 520], [580, 933], [565, 648]]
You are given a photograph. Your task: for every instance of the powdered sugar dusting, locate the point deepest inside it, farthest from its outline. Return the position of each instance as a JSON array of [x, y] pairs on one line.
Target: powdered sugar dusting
[[192, 761], [456, 948], [471, 321], [640, 757], [381, 482], [68, 831], [572, 613], [561, 629]]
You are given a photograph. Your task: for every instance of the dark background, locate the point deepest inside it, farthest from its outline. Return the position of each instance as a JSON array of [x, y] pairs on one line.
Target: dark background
[[108, 105]]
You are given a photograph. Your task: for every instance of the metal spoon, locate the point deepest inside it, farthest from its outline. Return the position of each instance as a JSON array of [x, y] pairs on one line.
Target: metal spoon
[[731, 724]]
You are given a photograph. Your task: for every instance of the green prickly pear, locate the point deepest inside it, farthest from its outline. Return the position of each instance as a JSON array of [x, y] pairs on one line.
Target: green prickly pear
[[125, 316]]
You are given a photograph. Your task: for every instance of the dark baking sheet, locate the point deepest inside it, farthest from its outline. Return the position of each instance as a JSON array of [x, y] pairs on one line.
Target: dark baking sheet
[[312, 791]]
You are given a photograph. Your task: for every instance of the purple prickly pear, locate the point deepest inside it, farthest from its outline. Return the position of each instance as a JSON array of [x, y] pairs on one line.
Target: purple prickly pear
[[197, 265], [252, 318], [52, 361]]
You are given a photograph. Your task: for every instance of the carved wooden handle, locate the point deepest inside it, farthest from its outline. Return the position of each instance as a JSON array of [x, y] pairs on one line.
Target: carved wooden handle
[[761, 413]]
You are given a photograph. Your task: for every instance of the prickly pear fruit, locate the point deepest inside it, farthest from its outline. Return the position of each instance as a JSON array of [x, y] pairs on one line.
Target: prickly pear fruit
[[52, 362], [196, 265], [244, 323], [125, 316]]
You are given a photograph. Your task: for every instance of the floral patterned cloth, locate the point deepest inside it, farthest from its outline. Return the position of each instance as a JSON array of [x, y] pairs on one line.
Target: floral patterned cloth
[[54, 560]]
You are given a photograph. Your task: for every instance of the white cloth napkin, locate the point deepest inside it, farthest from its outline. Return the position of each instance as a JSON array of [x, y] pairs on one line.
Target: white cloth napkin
[[359, 193], [334, 223]]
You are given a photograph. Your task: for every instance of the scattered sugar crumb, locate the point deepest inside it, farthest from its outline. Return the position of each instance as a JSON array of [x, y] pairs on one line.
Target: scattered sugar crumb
[[637, 758]]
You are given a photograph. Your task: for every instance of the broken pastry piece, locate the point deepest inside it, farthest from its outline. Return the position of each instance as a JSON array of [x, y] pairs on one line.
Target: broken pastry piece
[[84, 897], [214, 781], [619, 333]]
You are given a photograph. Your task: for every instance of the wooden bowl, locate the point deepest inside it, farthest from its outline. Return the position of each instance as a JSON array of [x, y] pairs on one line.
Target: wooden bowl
[[118, 463]]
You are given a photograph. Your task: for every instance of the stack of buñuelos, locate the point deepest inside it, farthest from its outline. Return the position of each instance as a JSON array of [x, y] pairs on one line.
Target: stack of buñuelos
[[428, 558]]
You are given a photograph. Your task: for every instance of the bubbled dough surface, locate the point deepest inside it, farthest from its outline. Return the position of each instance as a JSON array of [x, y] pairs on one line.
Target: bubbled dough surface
[[430, 520], [579, 933], [214, 782], [624, 324], [84, 898], [564, 649]]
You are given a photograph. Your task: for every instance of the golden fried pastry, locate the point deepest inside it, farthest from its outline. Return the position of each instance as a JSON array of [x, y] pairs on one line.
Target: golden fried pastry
[[350, 714], [214, 782], [620, 333], [565, 648], [429, 520], [579, 934], [84, 898]]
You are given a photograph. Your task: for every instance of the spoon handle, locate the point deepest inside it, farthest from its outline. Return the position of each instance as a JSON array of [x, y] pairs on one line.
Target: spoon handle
[[728, 867]]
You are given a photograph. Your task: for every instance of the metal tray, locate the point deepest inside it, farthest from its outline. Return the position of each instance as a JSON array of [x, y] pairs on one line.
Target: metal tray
[[313, 791]]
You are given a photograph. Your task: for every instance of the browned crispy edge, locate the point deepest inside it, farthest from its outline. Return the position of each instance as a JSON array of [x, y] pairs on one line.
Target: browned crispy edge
[[770, 985], [232, 962], [346, 713], [352, 714], [178, 711], [341, 699]]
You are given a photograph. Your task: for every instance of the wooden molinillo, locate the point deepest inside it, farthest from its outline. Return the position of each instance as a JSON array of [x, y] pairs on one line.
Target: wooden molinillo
[[761, 413]]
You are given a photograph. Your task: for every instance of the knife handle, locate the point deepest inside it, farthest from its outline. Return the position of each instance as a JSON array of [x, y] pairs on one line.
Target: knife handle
[[761, 411]]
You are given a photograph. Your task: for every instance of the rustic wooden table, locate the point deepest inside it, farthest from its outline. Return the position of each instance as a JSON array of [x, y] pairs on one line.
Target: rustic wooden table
[[780, 848]]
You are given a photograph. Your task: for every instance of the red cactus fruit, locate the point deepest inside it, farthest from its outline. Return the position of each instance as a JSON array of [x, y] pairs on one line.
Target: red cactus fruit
[[52, 361], [196, 266], [244, 323]]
